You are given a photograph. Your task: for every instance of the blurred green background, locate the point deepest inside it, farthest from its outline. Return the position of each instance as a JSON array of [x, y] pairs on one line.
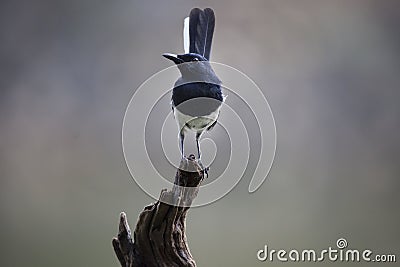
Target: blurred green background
[[331, 73]]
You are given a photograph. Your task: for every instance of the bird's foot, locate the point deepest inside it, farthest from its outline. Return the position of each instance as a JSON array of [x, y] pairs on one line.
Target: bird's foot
[[185, 165], [204, 170]]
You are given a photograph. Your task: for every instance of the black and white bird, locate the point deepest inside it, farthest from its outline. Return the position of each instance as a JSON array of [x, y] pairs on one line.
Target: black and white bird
[[197, 95]]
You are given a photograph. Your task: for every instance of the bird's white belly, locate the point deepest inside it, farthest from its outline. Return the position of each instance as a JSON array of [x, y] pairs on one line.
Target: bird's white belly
[[195, 123]]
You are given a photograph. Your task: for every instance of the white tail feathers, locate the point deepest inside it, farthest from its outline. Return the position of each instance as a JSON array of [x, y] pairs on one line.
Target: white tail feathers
[[186, 41]]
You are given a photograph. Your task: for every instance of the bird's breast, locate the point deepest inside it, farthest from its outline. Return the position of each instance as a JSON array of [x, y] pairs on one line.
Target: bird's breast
[[195, 123]]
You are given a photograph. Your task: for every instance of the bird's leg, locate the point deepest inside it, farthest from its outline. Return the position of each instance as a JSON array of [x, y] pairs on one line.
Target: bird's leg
[[204, 169], [197, 143], [181, 138]]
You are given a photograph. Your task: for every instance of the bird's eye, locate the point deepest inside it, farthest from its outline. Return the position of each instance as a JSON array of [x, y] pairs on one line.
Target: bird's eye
[[195, 59]]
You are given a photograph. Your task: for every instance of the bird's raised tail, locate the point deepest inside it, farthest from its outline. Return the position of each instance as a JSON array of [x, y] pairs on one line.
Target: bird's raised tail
[[198, 36]]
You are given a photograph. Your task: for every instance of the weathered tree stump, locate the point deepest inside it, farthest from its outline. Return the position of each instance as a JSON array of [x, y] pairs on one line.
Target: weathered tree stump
[[159, 238]]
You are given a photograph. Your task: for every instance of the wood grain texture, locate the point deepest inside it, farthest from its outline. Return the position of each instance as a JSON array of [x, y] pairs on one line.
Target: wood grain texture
[[159, 238]]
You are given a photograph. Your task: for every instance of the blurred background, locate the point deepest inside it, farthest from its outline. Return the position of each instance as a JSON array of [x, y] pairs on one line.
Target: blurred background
[[329, 69]]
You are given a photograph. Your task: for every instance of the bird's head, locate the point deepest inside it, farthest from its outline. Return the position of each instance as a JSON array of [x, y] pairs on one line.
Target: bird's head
[[184, 58], [194, 67]]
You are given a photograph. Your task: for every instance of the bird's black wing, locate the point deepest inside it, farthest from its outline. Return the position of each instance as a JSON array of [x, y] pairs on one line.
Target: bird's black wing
[[201, 30]]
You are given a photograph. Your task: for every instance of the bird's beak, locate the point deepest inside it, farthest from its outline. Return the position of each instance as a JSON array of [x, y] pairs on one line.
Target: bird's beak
[[173, 57]]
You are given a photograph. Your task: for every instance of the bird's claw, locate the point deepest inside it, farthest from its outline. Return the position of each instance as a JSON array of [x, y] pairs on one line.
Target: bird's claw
[[204, 170]]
